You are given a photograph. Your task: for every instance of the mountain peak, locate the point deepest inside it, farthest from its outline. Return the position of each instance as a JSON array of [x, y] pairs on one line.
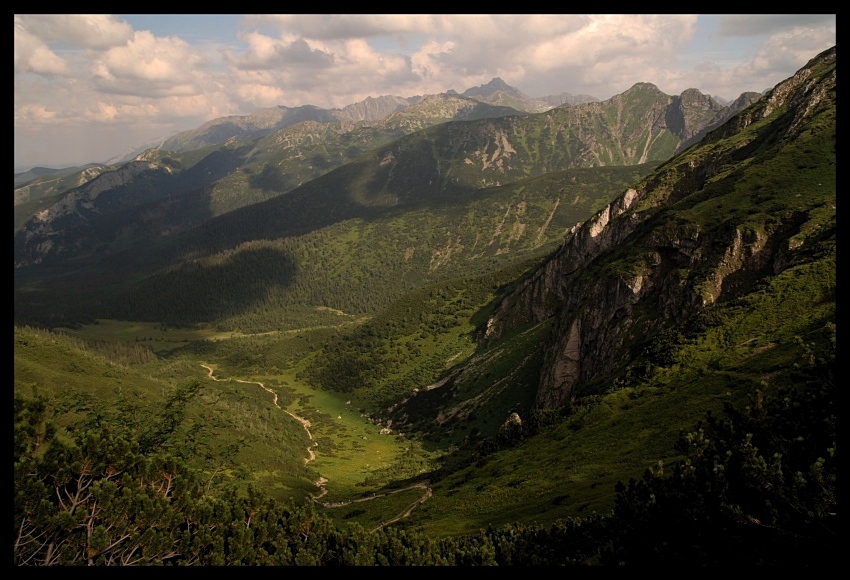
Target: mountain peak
[[496, 84], [643, 87]]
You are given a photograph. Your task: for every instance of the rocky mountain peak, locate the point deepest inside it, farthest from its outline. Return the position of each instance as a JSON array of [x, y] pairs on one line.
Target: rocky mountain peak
[[497, 84], [695, 98], [642, 87]]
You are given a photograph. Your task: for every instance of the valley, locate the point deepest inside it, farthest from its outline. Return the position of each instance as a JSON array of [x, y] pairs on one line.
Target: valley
[[459, 333]]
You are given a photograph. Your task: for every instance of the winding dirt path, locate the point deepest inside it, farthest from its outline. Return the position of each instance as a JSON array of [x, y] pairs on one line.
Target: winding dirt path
[[304, 423], [426, 493], [426, 490]]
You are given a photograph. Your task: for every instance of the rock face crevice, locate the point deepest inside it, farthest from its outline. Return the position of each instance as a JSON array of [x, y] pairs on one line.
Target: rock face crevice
[[644, 263]]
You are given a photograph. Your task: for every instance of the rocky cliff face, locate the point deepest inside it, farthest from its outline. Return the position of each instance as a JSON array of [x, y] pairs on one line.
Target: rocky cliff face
[[691, 112], [648, 261], [38, 238]]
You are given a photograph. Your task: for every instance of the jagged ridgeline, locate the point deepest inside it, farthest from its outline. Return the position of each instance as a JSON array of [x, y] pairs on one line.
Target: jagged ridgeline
[[694, 239], [162, 193]]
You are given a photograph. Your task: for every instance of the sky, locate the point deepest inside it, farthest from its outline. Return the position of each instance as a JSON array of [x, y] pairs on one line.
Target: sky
[[92, 87]]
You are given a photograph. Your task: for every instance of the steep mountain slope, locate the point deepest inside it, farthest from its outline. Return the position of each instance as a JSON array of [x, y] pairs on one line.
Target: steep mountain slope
[[258, 273], [743, 205], [643, 124], [39, 188], [709, 283], [82, 219], [498, 92], [40, 172], [291, 157], [442, 164]]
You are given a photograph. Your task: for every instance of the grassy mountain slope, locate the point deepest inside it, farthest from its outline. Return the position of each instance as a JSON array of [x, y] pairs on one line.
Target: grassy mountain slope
[[290, 157], [752, 313], [36, 191], [706, 226], [227, 430], [87, 218], [454, 157]]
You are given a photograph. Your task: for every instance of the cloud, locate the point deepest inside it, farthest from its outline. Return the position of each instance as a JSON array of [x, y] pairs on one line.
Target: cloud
[[33, 55], [454, 51], [762, 24], [787, 50], [342, 27], [260, 95], [34, 114], [265, 52], [595, 54], [148, 65], [612, 38], [95, 31], [327, 73], [779, 56]]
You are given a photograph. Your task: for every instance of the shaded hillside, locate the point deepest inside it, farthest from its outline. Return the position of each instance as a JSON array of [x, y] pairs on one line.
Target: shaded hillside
[[41, 174], [292, 157], [37, 190], [81, 221], [255, 273], [711, 283], [161, 193], [457, 157], [685, 331]]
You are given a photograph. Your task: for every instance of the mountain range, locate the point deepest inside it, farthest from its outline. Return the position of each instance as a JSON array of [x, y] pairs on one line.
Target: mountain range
[[593, 134]]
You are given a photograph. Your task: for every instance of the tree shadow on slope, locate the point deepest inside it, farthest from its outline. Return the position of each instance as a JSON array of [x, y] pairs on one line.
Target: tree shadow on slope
[[208, 290]]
